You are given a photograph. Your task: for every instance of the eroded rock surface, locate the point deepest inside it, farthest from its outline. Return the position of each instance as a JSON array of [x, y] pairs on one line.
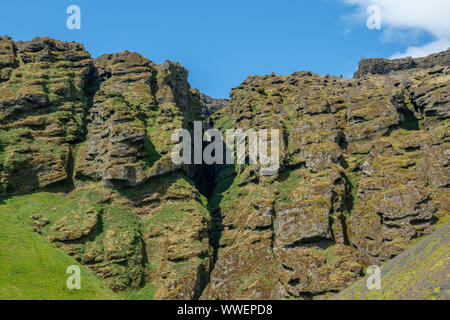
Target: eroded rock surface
[[364, 171], [99, 131], [42, 108], [211, 105], [136, 109], [384, 66]]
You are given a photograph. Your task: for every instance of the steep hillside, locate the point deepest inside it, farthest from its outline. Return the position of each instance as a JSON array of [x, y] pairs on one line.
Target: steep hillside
[[85, 162], [421, 272], [32, 268]]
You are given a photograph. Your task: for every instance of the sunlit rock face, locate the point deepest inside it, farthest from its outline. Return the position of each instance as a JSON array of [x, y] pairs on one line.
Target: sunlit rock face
[[364, 171]]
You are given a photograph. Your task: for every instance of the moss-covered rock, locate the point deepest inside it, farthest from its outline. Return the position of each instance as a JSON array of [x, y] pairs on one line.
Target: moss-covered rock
[[85, 152], [419, 273], [364, 170]]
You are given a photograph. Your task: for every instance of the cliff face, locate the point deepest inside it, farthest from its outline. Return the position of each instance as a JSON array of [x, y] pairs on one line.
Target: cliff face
[[72, 124], [85, 158], [43, 105], [364, 173], [211, 105], [384, 66]]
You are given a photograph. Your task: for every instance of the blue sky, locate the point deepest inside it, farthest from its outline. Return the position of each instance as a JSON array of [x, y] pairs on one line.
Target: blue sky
[[222, 42]]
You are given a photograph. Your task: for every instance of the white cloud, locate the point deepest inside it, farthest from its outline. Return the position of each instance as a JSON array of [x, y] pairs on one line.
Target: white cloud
[[432, 47], [432, 16]]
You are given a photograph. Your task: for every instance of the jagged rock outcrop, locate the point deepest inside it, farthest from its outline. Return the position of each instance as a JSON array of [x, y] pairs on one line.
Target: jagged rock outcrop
[[8, 57], [364, 171], [79, 125], [211, 105], [384, 66], [135, 111], [42, 108]]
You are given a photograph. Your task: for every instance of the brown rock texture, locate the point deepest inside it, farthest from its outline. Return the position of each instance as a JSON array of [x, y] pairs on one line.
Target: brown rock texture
[[42, 108], [364, 173], [384, 66], [94, 134], [136, 109]]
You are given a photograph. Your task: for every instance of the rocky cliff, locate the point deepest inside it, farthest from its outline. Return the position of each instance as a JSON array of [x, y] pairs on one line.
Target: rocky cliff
[[73, 124], [364, 173], [384, 66], [85, 156]]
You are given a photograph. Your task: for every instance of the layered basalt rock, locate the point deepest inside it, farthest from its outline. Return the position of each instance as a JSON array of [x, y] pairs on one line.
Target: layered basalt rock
[[96, 134], [136, 109], [7, 57], [364, 173], [385, 66], [211, 105], [42, 109]]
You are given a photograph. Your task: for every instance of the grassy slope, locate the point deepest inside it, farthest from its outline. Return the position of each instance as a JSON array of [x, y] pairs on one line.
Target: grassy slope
[[421, 272], [32, 268]]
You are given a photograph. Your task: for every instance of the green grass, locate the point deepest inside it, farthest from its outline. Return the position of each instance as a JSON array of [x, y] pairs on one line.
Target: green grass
[[417, 273], [225, 180], [32, 268], [289, 181], [53, 206], [146, 293]]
